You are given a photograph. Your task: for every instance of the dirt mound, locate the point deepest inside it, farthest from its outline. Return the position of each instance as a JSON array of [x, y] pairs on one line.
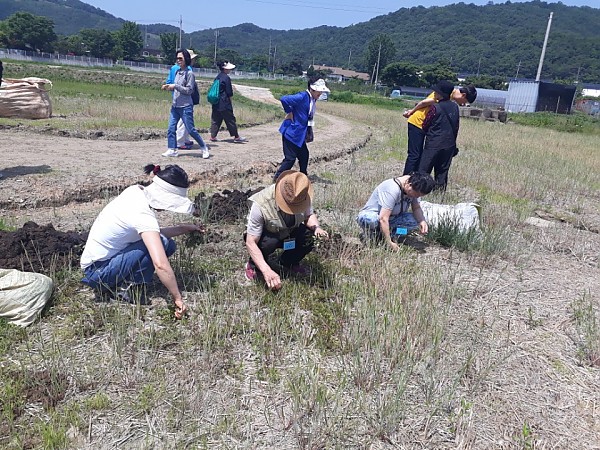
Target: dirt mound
[[42, 249], [225, 207]]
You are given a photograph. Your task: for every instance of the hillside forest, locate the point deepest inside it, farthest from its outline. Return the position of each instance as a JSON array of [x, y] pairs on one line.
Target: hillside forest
[[489, 43]]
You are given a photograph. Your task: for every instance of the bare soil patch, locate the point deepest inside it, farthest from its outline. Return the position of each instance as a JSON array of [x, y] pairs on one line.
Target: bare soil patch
[[66, 180]]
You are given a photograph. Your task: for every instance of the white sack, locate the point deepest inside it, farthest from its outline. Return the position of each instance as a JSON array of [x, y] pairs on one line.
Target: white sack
[[26, 98], [466, 215], [23, 295]]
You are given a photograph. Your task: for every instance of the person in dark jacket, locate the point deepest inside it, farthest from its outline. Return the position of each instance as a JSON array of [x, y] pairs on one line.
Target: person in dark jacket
[[297, 127], [441, 127], [223, 111]]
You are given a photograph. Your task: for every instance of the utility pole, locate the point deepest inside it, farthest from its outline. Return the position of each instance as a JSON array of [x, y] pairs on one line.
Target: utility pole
[[539, 71], [518, 67], [478, 66], [216, 37], [377, 64], [269, 62], [274, 55], [349, 59], [180, 30], [146, 37]]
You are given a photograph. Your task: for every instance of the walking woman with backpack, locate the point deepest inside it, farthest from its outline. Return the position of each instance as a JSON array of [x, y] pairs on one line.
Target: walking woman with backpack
[[222, 109], [182, 108]]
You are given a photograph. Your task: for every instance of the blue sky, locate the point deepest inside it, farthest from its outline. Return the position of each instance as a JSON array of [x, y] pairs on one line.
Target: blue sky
[[273, 14]]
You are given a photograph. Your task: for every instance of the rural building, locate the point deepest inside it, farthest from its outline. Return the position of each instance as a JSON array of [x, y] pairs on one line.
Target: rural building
[[490, 98], [338, 74], [146, 51], [414, 91], [590, 90], [533, 96]]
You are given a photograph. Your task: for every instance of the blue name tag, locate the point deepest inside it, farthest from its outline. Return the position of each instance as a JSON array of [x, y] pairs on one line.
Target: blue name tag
[[289, 244], [401, 231]]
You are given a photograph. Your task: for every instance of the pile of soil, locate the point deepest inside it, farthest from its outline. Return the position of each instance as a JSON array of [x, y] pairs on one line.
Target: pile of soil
[[227, 207], [42, 249]]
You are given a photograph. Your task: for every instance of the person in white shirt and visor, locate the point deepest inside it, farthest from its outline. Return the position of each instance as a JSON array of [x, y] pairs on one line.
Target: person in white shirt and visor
[[126, 246]]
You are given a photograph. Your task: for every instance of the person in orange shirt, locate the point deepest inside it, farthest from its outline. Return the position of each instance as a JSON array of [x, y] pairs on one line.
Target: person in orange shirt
[[416, 136]]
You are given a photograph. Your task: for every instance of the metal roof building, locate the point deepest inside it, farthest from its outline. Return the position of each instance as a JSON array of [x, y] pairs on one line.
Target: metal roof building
[[531, 96]]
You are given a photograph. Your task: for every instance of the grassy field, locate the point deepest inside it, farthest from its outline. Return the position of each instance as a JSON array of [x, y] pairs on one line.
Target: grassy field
[[430, 347], [120, 101]]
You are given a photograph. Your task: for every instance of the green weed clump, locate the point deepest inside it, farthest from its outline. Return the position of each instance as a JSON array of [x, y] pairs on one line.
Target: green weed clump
[[571, 123], [449, 232], [587, 325], [10, 335]]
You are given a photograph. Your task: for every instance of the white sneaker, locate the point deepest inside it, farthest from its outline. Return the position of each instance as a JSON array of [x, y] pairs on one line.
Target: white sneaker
[[171, 152], [205, 153]]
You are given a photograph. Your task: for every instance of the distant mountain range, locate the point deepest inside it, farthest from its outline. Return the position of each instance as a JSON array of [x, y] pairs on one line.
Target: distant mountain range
[[495, 39]]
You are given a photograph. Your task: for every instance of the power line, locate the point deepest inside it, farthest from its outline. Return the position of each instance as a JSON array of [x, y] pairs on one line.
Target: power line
[[312, 5]]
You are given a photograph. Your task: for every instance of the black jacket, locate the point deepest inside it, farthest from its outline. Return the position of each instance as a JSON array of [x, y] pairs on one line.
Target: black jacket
[[225, 92], [443, 128]]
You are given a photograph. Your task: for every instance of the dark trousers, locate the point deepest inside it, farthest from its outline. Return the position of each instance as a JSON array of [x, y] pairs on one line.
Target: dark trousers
[[269, 242], [416, 140], [217, 118], [291, 152], [439, 161]]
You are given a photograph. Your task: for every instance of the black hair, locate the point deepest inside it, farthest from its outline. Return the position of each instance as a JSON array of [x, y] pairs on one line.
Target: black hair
[[471, 92], [1, 71], [421, 182], [313, 80], [172, 174], [186, 56]]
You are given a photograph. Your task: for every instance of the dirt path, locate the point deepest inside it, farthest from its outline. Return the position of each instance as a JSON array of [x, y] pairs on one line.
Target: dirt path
[[51, 171]]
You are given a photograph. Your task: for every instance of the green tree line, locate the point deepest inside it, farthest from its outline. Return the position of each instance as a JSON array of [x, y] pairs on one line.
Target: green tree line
[[490, 43]]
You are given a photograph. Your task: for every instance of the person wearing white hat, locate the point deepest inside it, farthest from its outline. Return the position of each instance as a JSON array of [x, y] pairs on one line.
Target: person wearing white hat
[[126, 245], [184, 141], [281, 216], [297, 127], [223, 110]]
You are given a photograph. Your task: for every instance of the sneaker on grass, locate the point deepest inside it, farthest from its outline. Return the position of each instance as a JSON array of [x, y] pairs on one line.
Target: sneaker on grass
[[239, 139], [171, 152]]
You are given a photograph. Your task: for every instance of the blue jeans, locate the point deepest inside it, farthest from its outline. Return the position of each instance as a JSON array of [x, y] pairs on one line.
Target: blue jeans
[[369, 221], [186, 114], [131, 265]]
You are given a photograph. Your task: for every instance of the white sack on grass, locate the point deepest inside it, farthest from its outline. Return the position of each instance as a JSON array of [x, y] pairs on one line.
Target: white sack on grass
[[26, 98], [466, 215], [23, 295]]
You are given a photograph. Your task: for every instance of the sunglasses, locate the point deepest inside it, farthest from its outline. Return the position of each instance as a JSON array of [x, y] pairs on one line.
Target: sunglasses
[[179, 59]]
